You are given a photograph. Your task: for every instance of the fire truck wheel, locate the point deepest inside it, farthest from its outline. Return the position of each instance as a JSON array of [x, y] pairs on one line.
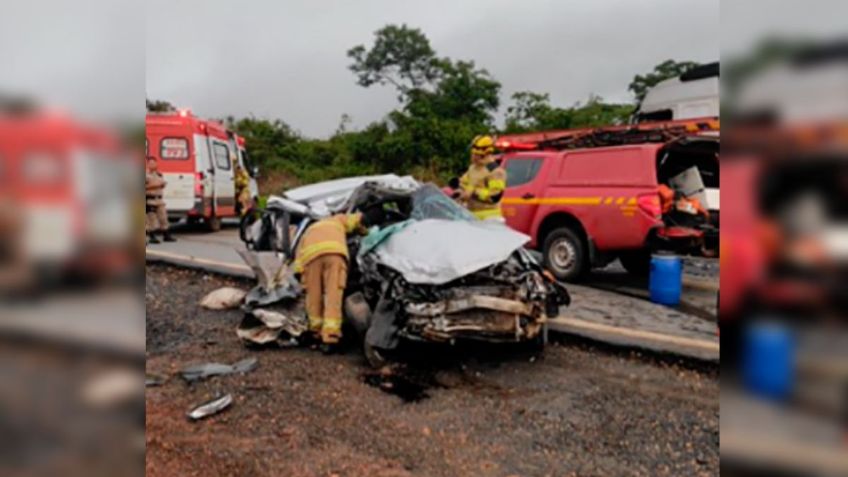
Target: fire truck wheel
[[213, 224], [637, 262], [565, 254]]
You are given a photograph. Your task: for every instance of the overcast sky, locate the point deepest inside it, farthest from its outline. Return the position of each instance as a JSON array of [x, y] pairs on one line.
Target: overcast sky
[[287, 59], [85, 56]]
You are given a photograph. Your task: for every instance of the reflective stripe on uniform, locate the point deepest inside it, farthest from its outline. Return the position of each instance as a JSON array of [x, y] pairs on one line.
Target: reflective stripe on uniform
[[327, 223], [497, 184], [484, 214], [332, 324], [352, 222], [331, 330]]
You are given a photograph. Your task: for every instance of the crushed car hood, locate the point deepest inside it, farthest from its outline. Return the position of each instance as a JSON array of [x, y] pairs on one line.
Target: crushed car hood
[[421, 253]]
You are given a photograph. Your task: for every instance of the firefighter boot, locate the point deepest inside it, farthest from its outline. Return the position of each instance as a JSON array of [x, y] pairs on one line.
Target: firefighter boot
[[166, 236], [329, 348], [151, 236]]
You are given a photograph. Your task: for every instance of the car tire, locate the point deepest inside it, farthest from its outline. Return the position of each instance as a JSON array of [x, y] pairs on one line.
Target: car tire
[[213, 224], [636, 263], [564, 254]]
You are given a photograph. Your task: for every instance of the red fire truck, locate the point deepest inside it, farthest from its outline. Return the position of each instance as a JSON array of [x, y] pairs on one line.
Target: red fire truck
[[197, 158], [588, 196]]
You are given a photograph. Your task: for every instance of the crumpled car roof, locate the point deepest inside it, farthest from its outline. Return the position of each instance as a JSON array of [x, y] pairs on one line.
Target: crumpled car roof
[[437, 251], [324, 198]]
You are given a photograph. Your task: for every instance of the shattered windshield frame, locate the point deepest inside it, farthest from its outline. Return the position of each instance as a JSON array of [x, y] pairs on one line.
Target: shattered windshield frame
[[428, 202]]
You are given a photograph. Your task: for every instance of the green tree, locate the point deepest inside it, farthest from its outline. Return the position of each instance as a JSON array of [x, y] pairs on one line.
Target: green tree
[[272, 143], [401, 56], [533, 112], [663, 71], [444, 103]]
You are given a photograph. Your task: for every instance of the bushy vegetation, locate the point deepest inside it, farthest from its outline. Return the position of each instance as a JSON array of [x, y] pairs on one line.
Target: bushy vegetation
[[443, 104]]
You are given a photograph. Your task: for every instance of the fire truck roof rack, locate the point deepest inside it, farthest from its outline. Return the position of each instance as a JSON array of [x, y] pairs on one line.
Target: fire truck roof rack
[[653, 132]]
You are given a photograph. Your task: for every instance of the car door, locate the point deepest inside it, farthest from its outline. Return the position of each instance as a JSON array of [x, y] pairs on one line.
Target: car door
[[523, 185], [223, 182]]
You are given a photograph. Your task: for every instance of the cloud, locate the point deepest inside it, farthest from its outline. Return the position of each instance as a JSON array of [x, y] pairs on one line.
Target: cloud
[[287, 59]]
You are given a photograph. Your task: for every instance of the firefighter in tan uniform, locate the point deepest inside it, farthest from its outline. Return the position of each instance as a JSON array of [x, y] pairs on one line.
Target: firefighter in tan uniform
[[482, 186], [242, 188], [157, 216], [322, 259]]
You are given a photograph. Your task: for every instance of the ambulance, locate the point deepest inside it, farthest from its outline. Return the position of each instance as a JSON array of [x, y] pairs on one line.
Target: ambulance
[[67, 191], [197, 157]]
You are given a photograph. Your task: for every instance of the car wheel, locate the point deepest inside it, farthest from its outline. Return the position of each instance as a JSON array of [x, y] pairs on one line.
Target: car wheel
[[564, 254], [637, 262], [213, 224]]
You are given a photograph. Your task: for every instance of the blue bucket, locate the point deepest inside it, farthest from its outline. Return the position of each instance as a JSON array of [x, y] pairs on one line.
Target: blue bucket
[[768, 360], [666, 279]]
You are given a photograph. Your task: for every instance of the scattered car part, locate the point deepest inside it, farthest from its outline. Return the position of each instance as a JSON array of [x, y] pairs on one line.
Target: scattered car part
[[206, 370], [223, 298], [152, 380], [264, 326], [275, 277], [210, 408]]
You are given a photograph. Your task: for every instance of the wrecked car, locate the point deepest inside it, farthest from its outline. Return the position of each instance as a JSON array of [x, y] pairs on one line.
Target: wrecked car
[[429, 272]]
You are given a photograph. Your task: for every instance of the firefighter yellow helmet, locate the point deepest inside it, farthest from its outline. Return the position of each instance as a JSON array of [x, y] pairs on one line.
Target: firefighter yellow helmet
[[482, 145]]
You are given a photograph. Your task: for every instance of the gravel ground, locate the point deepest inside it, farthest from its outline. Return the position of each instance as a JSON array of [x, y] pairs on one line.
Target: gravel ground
[[575, 410]]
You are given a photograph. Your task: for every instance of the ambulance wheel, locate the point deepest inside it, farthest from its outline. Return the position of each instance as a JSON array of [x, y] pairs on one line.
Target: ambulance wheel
[[193, 222], [213, 224], [564, 254]]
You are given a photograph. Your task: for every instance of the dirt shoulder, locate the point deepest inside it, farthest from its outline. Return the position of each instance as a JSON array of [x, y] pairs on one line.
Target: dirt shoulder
[[576, 410]]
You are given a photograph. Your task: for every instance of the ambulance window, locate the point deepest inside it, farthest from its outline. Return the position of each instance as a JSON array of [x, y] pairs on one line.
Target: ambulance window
[[173, 148], [521, 171], [222, 156]]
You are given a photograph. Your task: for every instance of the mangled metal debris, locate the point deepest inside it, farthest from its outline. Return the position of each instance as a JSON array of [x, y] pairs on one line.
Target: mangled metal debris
[[276, 281], [211, 407], [223, 299], [203, 371], [261, 326], [429, 272], [152, 380]]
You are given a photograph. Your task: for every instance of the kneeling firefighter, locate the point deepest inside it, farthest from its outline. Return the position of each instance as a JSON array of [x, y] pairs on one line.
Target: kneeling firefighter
[[482, 186], [322, 259]]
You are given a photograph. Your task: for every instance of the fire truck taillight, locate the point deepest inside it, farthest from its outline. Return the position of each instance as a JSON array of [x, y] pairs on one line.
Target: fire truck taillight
[[650, 204]]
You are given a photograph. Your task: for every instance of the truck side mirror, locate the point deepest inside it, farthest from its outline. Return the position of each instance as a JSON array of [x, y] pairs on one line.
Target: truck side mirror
[[254, 172]]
